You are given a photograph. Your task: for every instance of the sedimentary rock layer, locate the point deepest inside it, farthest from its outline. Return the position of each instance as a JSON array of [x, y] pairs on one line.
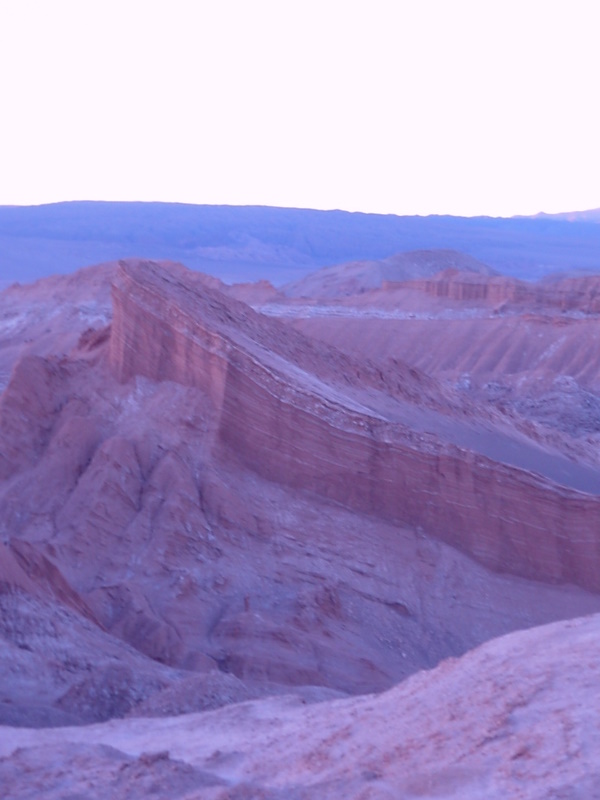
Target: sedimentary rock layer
[[568, 294], [300, 416]]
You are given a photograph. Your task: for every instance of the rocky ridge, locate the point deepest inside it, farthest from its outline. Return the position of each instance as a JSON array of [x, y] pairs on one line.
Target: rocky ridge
[[320, 437], [503, 343], [515, 718], [183, 525]]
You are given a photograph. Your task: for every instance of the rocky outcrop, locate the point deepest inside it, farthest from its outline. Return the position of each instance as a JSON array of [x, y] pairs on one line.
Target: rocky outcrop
[[27, 415], [468, 287], [580, 294], [300, 417], [574, 294], [224, 521], [356, 277], [515, 718]]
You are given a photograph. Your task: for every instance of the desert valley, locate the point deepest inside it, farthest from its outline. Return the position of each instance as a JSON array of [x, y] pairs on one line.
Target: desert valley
[[310, 508]]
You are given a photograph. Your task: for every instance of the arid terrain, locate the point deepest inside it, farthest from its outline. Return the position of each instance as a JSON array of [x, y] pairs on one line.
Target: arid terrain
[[330, 537]]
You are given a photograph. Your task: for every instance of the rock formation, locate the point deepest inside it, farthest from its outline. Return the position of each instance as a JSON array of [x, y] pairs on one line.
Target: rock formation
[[501, 342], [322, 435], [201, 505], [515, 718], [344, 280]]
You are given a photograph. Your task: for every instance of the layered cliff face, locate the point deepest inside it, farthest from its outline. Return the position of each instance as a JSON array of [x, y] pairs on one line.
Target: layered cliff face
[[530, 350], [447, 274], [323, 435], [225, 507], [356, 277], [467, 287], [200, 506], [580, 294]]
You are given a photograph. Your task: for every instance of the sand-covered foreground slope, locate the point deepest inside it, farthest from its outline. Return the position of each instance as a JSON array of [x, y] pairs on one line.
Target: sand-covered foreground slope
[[516, 718]]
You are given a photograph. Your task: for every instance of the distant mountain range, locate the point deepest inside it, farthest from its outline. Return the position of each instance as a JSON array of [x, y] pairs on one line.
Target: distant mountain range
[[243, 243], [593, 215]]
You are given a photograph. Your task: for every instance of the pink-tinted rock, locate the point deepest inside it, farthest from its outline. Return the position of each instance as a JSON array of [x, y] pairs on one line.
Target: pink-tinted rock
[[515, 718], [343, 280], [197, 492], [322, 435]]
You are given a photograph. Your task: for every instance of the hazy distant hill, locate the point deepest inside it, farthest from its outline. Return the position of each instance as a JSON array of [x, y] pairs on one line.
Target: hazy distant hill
[[359, 276], [593, 215], [247, 243]]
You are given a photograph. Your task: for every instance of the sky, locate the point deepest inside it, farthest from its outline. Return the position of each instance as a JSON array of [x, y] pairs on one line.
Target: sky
[[389, 106]]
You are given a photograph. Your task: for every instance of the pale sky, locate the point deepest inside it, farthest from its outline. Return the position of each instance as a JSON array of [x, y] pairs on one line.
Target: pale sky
[[392, 106]]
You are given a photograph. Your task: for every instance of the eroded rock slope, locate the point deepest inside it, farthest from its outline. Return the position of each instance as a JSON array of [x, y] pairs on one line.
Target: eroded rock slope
[[200, 505], [515, 718], [313, 420]]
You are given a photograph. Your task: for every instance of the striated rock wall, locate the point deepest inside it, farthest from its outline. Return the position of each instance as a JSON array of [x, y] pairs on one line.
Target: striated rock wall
[[292, 427], [460, 286], [568, 294], [508, 519], [581, 294], [152, 336]]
